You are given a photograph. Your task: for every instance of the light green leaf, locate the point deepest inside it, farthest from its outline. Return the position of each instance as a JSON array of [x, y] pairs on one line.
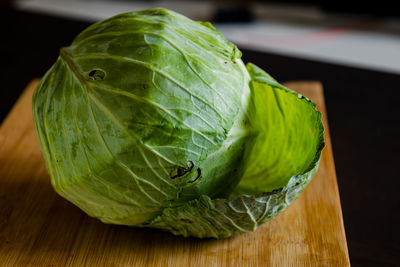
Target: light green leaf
[[290, 135]]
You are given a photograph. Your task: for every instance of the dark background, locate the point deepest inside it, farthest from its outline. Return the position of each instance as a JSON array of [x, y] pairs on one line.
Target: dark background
[[363, 110]]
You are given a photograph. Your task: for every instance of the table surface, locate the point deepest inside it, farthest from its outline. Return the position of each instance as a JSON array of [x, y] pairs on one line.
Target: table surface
[[41, 228], [362, 108]]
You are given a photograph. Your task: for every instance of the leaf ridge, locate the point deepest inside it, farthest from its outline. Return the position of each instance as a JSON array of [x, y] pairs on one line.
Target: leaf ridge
[[159, 106]]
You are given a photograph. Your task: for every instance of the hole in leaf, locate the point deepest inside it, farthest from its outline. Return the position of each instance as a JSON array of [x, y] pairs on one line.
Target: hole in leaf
[[97, 74], [181, 171]]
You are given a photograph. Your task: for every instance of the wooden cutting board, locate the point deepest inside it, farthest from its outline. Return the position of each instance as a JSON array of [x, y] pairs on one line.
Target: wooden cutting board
[[39, 228]]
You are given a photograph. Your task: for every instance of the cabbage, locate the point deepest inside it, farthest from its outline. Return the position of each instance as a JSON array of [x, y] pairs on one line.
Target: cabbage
[[150, 119]]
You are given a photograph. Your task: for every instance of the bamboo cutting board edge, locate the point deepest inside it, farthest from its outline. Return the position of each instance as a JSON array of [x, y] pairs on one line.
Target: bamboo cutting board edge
[[37, 227]]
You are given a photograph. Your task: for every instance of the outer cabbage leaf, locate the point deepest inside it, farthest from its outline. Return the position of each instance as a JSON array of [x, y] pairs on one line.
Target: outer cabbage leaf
[[289, 135], [285, 156]]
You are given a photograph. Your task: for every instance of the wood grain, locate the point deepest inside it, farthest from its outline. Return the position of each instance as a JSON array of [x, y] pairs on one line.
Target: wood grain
[[39, 228]]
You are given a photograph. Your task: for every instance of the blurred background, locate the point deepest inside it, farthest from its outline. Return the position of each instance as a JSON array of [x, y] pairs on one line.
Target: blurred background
[[352, 48], [364, 35]]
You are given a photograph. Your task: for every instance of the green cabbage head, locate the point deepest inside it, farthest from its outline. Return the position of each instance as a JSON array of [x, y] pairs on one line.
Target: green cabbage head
[[151, 119]]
